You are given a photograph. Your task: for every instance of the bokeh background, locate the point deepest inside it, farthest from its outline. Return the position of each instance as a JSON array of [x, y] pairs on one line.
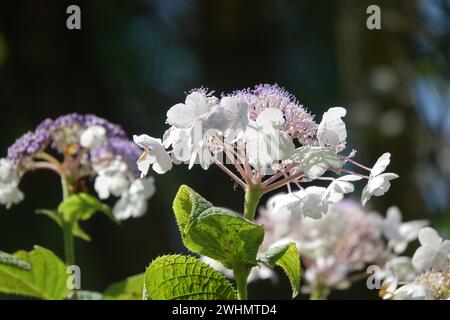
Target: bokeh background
[[132, 60]]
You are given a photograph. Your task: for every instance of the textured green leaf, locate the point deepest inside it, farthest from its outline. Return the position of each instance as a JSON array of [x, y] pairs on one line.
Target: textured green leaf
[[46, 279], [12, 260], [288, 258], [129, 289], [216, 232], [54, 216], [82, 206], [178, 277], [188, 204]]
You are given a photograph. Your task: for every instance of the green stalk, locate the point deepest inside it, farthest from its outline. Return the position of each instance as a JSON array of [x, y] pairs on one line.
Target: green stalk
[[320, 292], [67, 229], [252, 197], [241, 275], [68, 244]]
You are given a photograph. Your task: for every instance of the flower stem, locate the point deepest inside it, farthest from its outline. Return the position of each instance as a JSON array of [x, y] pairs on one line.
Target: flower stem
[[68, 244], [252, 196], [67, 228], [240, 275], [319, 292]]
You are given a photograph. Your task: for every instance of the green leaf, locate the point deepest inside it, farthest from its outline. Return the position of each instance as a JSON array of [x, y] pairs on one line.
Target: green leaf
[[12, 260], [82, 206], [80, 233], [131, 288], [46, 279], [178, 277], [216, 232], [288, 258], [54, 216], [188, 203]]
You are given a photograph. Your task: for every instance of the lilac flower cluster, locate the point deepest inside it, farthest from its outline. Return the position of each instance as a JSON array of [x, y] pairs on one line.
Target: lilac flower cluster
[[79, 146], [27, 145], [61, 134]]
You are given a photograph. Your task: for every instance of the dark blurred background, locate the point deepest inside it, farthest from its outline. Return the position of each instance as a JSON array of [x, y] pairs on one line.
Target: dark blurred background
[[132, 60]]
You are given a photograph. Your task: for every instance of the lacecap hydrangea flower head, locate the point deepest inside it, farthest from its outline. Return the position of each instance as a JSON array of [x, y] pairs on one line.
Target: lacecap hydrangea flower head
[[78, 148], [428, 276], [264, 139]]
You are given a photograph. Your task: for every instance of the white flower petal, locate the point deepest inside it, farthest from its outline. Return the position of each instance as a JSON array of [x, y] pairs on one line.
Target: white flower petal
[[133, 202], [8, 171], [180, 116], [332, 131], [112, 180], [381, 164], [10, 194], [315, 161], [154, 154], [412, 292], [377, 186], [423, 258], [270, 118], [429, 237], [93, 137], [339, 187], [265, 147]]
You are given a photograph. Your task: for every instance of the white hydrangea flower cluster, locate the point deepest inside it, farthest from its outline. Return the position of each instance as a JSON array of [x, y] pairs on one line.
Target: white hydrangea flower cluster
[[272, 142], [428, 276], [337, 248]]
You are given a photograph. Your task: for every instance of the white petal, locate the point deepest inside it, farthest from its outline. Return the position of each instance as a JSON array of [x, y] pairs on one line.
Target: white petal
[[180, 116], [236, 113], [410, 230], [8, 171], [393, 215], [332, 131], [154, 153], [265, 147], [314, 161], [133, 203], [197, 103], [312, 204], [381, 164], [181, 142], [270, 118], [429, 237], [93, 137], [445, 247], [350, 177], [423, 258], [365, 196], [412, 292], [339, 187], [10, 194], [112, 180], [280, 206]]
